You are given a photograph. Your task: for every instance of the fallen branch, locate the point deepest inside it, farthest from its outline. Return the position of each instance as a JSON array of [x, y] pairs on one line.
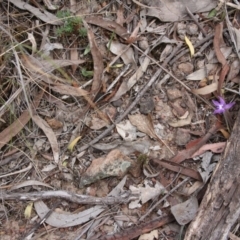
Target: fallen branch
[[76, 198]]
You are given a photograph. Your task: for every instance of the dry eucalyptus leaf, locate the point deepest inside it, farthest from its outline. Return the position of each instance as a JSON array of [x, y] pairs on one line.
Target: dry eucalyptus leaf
[[214, 147], [143, 124], [186, 211], [69, 90], [65, 219], [50, 135], [206, 90]]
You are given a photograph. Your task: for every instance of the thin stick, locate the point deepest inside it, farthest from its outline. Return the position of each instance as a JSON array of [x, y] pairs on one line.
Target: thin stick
[[72, 197], [196, 21], [17, 172]]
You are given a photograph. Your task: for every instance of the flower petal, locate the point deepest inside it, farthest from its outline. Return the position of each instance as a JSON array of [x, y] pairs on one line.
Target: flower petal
[[229, 105], [215, 103], [222, 101]]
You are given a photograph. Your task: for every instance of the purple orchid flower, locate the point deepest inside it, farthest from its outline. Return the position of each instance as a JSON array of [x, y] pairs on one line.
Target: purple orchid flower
[[221, 106]]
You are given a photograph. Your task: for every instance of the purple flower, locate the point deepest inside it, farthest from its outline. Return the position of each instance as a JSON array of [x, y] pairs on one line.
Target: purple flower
[[221, 106]]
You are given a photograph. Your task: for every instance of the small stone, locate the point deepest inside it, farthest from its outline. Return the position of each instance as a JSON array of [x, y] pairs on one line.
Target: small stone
[[181, 30], [114, 164], [173, 94], [146, 106], [117, 103], [182, 137], [192, 29], [186, 68]]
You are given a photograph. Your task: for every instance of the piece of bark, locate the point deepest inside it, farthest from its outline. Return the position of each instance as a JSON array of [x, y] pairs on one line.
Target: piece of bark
[[220, 207]]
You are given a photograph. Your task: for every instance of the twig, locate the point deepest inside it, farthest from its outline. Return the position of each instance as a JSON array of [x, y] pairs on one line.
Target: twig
[[76, 198], [162, 199]]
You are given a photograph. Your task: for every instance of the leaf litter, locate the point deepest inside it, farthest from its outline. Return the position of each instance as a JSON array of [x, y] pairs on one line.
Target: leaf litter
[[152, 84]]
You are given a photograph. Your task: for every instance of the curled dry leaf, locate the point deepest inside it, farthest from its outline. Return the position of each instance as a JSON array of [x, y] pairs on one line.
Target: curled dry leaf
[[206, 90], [182, 122], [50, 135], [214, 147]]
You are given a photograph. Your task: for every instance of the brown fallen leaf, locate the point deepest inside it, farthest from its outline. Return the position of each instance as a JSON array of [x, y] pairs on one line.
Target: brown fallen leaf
[[216, 44], [214, 147], [175, 167], [97, 61], [69, 90], [54, 123], [50, 135], [7, 134], [206, 90], [109, 25]]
